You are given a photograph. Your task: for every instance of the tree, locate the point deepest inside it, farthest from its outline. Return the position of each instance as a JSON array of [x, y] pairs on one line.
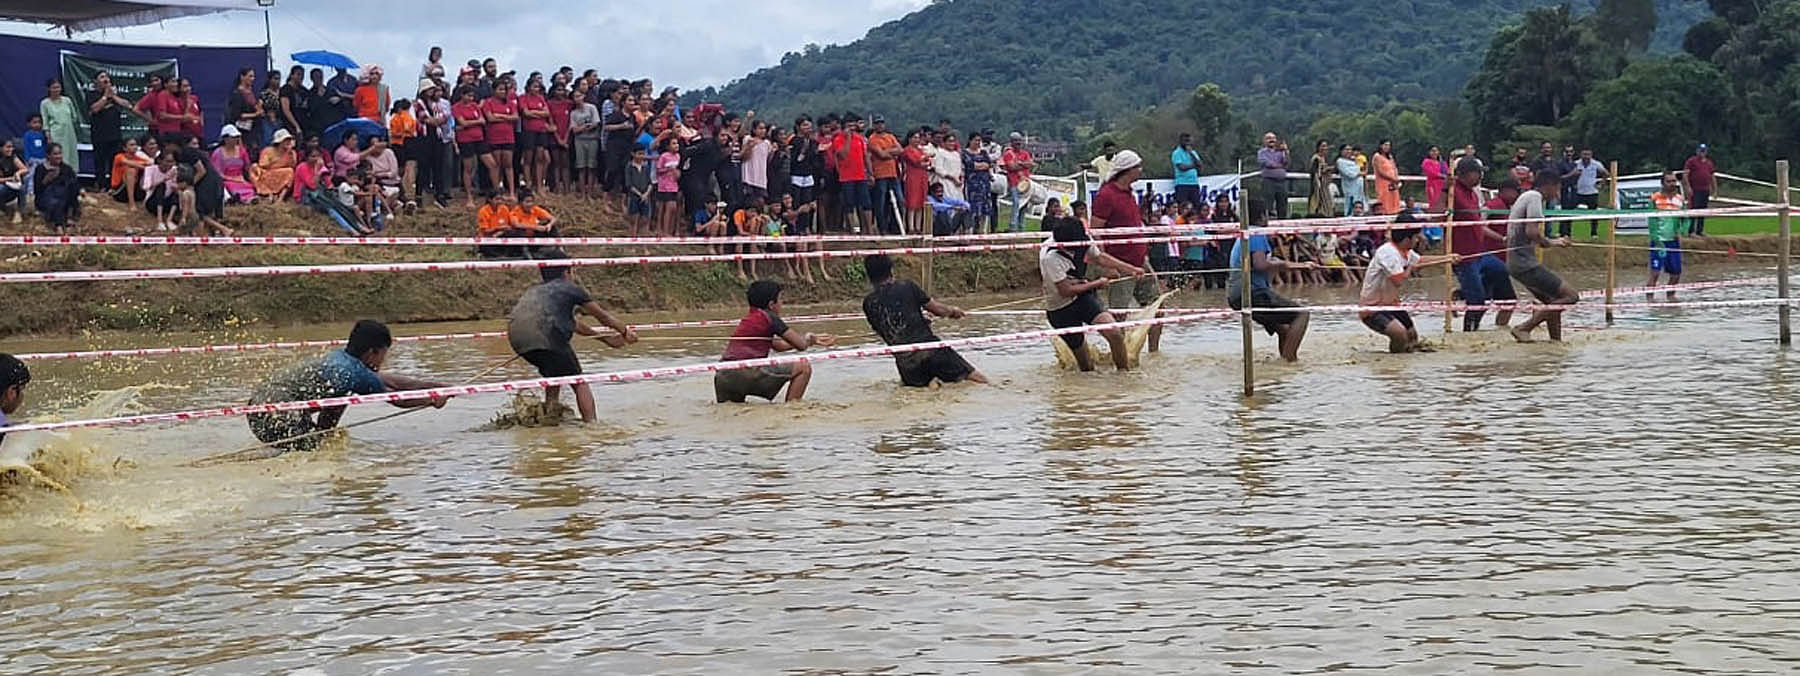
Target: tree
[[1653, 113], [1209, 108], [1632, 21], [1705, 38], [1537, 71]]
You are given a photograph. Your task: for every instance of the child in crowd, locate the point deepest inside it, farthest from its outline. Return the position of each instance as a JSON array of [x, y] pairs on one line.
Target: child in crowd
[[13, 174], [749, 221], [373, 203], [312, 174], [162, 193], [638, 184], [36, 148], [349, 195], [126, 167], [710, 223]]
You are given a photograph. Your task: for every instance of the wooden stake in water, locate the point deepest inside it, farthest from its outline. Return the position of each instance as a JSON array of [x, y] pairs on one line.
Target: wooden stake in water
[[1787, 241], [1612, 239]]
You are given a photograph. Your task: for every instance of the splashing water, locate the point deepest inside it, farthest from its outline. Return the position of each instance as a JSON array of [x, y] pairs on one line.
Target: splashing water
[[57, 458]]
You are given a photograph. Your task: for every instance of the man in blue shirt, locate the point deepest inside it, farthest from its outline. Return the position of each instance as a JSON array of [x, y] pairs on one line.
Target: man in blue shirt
[[949, 215], [352, 370], [1186, 163], [1288, 326], [13, 378]]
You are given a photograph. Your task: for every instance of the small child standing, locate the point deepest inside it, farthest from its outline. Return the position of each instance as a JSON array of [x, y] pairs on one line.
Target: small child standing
[[36, 150], [637, 182]]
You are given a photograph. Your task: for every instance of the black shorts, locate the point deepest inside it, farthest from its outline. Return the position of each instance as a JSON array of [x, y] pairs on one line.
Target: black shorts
[[665, 197], [1261, 299], [473, 149], [918, 369], [554, 363], [1081, 312], [500, 147], [532, 140], [1189, 194], [1541, 282], [1379, 321], [857, 195]]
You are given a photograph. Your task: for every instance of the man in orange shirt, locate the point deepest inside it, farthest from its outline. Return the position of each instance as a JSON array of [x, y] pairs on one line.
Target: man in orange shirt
[[885, 149], [494, 219]]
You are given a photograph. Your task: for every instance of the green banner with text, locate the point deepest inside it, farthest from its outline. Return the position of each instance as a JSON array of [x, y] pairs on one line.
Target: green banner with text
[[131, 80]]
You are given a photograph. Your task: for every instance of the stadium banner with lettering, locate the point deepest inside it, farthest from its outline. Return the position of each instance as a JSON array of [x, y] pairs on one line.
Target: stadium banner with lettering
[[1635, 195], [131, 80], [30, 61]]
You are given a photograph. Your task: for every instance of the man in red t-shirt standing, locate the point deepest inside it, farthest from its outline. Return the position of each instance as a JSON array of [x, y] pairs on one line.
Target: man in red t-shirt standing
[[851, 149], [1698, 181], [1018, 164], [1116, 207], [1481, 273]]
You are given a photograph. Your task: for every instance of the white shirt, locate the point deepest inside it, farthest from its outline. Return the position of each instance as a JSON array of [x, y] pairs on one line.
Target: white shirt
[[1378, 288]]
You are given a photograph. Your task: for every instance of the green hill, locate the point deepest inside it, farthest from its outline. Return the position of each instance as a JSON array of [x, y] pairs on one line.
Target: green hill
[[1063, 68]]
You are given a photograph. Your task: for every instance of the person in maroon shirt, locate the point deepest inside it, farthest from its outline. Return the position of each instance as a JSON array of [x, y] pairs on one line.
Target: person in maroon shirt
[[760, 331], [1482, 273], [1698, 181], [1116, 207]]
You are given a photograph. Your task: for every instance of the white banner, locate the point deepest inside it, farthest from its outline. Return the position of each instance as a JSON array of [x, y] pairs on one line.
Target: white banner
[[1635, 195]]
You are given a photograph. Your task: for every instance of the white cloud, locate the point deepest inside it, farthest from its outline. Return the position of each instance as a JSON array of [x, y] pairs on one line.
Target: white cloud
[[687, 43]]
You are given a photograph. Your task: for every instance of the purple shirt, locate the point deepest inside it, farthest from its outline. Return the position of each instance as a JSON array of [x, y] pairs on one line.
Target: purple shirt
[[1274, 163]]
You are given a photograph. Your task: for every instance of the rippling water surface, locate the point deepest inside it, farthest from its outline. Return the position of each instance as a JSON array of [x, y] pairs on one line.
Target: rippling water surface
[[1626, 503]]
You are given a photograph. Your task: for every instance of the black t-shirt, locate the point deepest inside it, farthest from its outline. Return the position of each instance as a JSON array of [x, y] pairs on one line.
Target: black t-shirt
[[806, 160], [298, 103], [318, 105], [105, 124], [194, 157], [620, 138], [896, 311]]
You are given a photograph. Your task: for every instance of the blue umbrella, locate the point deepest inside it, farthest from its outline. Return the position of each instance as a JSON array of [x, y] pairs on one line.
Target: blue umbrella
[[320, 57], [364, 129]]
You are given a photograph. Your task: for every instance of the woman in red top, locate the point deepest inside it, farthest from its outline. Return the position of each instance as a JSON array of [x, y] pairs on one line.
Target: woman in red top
[[191, 123], [560, 106], [915, 174], [501, 113], [534, 139], [471, 142]]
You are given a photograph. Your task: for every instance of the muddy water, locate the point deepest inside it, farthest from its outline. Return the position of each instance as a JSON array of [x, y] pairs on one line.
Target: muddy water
[[1626, 503]]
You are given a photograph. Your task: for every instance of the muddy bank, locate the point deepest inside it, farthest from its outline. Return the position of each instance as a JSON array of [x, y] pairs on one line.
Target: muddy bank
[[63, 308]]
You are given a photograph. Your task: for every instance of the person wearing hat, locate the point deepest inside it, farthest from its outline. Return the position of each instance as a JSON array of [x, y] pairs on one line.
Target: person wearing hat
[[1116, 207], [1018, 163], [273, 173], [1698, 181], [1071, 298], [371, 97]]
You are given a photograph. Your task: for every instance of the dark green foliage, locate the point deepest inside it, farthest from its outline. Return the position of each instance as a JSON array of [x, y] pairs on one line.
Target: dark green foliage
[[1056, 67]]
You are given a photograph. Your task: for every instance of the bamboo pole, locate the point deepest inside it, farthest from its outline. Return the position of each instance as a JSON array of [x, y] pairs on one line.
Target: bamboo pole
[[1244, 296], [1787, 240], [1612, 239], [1449, 250]]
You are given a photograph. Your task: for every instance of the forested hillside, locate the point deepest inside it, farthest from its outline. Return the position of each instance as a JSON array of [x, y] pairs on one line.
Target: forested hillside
[[1064, 68]]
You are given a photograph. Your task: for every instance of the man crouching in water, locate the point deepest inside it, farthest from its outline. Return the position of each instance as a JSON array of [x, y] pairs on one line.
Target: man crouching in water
[[352, 370]]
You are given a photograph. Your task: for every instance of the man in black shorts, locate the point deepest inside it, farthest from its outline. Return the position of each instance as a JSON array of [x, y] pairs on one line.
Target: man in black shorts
[[1288, 326], [543, 322], [1070, 298], [1524, 234], [895, 309]]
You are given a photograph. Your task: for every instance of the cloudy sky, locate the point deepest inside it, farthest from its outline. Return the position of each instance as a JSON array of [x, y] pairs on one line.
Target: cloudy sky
[[686, 43]]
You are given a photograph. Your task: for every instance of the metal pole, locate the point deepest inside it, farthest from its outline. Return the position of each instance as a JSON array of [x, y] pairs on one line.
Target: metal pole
[[1787, 241], [268, 41], [1612, 241]]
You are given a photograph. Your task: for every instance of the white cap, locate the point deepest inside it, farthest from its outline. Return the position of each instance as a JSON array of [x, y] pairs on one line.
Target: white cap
[[230, 130], [1125, 161]]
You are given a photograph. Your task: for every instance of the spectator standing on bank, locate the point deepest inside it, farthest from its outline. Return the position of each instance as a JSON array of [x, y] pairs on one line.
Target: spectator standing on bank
[[105, 108], [1273, 158], [59, 121], [1186, 163], [1018, 163], [1698, 179]]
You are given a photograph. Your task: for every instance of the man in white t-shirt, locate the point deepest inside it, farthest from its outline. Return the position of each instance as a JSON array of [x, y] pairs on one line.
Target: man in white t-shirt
[[1390, 267]]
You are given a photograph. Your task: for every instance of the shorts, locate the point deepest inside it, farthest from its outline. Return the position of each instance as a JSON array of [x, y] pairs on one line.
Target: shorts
[[1541, 282], [500, 147], [1080, 312], [1126, 294], [736, 385], [666, 196], [1667, 259], [918, 369], [858, 195], [635, 206], [1379, 321], [587, 153], [473, 149], [272, 427], [554, 363], [1189, 194], [748, 193], [532, 140], [1263, 299]]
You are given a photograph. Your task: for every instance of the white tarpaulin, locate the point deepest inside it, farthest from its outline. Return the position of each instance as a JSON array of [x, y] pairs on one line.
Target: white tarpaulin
[[77, 16]]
